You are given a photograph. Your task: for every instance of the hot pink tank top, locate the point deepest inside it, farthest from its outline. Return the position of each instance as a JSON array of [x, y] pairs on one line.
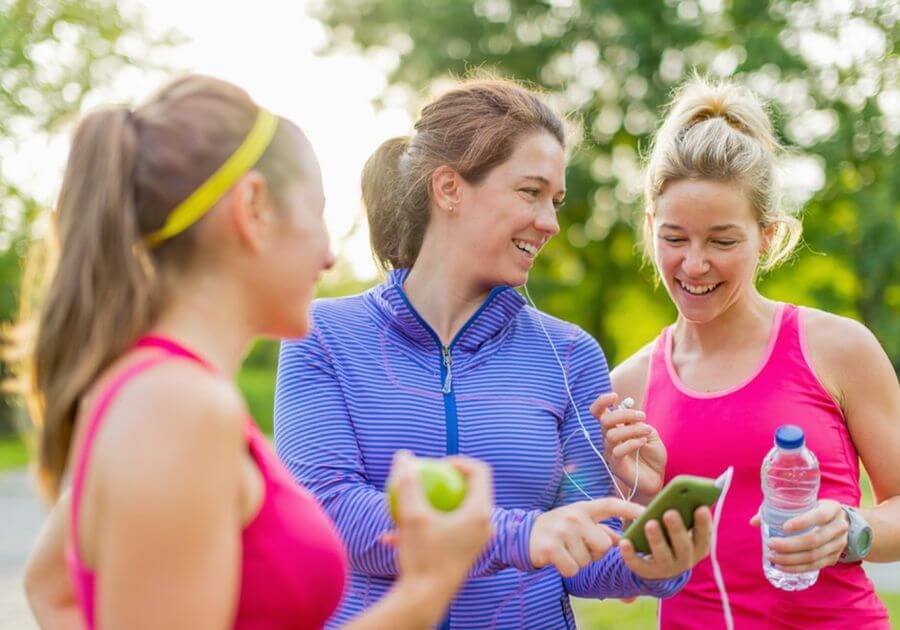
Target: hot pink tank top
[[707, 432], [293, 565]]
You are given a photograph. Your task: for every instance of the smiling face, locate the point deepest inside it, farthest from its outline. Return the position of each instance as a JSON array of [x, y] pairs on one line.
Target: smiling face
[[507, 217], [707, 244]]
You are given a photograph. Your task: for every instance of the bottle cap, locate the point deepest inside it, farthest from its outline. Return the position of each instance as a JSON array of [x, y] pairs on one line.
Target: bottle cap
[[789, 436]]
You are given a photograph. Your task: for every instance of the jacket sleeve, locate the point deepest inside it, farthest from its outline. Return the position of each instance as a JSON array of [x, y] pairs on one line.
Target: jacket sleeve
[[607, 577], [315, 439]]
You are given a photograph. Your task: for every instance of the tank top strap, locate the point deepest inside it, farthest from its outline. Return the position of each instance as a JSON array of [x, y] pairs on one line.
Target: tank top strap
[[791, 360], [787, 356], [172, 348], [168, 349], [788, 339], [104, 400]]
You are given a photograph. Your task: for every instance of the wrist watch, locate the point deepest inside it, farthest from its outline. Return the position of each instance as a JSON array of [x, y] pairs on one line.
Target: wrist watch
[[859, 536]]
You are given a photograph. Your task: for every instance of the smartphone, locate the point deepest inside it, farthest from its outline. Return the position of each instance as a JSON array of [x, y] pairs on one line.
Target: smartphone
[[684, 493]]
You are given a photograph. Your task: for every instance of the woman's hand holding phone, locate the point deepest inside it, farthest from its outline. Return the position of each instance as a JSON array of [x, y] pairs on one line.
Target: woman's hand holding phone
[[684, 549]]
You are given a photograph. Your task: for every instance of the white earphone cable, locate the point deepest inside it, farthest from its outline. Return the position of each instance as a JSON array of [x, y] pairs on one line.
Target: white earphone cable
[[628, 402], [724, 479]]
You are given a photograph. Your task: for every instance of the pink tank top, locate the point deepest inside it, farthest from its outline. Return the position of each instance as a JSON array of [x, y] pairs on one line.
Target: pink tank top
[[707, 432], [293, 565]]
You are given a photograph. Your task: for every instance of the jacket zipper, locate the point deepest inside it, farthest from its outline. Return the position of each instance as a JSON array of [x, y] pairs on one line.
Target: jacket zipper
[[565, 605], [448, 365], [450, 419]]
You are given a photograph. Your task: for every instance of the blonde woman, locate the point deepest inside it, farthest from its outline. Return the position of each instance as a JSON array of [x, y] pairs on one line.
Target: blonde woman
[[735, 365]]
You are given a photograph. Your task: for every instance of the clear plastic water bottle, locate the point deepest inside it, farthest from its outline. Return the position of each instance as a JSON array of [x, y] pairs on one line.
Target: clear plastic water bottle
[[790, 485]]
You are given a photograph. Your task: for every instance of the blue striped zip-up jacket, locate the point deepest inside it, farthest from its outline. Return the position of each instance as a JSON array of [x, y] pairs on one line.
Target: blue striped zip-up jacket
[[372, 377]]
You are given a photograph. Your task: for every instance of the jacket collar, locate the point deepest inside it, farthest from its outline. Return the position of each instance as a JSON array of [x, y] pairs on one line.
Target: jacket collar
[[492, 317]]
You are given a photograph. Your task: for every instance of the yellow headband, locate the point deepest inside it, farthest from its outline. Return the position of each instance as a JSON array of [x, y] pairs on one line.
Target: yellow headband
[[201, 200]]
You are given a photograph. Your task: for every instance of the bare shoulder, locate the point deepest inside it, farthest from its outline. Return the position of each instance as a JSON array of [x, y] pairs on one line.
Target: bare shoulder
[[163, 504], [837, 342], [843, 352], [629, 378], [175, 417]]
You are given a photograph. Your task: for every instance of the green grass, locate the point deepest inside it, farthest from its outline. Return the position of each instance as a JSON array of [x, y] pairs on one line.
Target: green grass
[[641, 614], [892, 602], [608, 614], [258, 387], [13, 453]]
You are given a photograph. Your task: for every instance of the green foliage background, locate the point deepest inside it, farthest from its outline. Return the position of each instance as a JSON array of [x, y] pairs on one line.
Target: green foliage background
[[53, 55], [613, 65]]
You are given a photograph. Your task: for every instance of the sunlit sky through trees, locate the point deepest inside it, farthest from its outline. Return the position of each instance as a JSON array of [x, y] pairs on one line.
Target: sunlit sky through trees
[[269, 47]]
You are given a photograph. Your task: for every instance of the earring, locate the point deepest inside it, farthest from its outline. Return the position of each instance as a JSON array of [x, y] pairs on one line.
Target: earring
[[450, 209]]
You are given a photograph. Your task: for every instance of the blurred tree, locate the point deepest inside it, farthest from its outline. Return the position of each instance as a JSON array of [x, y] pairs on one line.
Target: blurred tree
[[53, 53], [829, 69]]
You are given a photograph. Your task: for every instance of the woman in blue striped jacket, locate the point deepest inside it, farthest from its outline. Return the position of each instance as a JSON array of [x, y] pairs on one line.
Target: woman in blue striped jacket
[[445, 358]]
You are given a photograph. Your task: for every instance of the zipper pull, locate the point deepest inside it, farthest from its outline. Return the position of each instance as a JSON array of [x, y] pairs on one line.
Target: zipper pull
[[448, 363]]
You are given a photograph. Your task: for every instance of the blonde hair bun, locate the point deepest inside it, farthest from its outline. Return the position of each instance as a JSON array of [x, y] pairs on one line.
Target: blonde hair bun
[[721, 131]]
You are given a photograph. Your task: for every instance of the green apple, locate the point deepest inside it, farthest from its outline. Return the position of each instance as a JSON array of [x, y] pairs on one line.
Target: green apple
[[444, 485]]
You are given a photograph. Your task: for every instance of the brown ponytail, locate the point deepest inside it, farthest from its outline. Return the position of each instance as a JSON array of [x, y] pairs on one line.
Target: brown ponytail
[[100, 262], [396, 224], [472, 128], [126, 171]]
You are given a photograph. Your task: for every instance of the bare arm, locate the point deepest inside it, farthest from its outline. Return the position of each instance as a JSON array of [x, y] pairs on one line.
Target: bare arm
[[47, 584], [854, 367], [167, 518], [856, 372]]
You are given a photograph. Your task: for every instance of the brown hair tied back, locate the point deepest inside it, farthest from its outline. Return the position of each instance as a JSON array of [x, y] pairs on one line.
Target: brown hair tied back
[[472, 128], [126, 171]]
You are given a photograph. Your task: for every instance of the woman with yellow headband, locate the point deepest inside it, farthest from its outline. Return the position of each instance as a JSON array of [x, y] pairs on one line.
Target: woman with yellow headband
[[186, 228]]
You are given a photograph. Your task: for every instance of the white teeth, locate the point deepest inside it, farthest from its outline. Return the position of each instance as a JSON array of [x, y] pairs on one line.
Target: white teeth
[[526, 247], [697, 289]]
